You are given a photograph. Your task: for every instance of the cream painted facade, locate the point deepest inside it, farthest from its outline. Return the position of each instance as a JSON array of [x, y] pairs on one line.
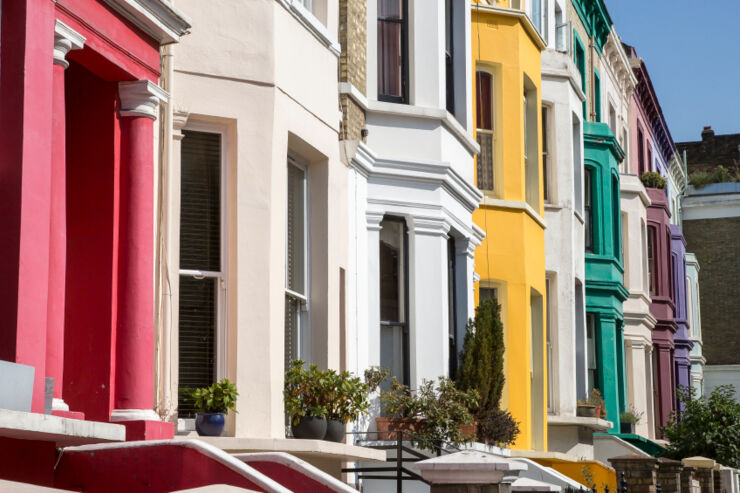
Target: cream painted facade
[[415, 168], [263, 77], [638, 321], [562, 100]]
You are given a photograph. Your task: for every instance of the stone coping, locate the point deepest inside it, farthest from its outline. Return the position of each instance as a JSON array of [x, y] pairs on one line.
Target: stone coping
[[62, 431], [586, 422], [300, 448]]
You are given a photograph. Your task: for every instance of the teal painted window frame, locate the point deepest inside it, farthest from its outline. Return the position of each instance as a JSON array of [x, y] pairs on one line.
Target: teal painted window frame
[[581, 69], [597, 96]]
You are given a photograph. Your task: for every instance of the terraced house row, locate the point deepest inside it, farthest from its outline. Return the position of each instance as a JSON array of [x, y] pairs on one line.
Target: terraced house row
[[198, 190]]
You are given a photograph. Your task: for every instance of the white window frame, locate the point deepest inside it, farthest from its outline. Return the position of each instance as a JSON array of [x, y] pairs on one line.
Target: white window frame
[[220, 276], [304, 316]]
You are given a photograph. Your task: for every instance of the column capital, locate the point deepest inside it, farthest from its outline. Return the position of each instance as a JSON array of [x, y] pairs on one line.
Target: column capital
[[66, 39], [430, 226], [179, 120], [465, 246], [373, 220], [141, 98]]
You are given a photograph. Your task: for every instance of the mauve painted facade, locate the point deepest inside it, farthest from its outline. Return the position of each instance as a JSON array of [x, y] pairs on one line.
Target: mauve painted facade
[[662, 306], [681, 338]]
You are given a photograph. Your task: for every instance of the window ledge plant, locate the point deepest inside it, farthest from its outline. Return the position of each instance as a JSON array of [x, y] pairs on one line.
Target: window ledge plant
[[211, 405]]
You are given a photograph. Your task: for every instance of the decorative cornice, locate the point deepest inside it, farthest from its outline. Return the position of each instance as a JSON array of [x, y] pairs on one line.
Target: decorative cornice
[[180, 119], [599, 134], [141, 98], [629, 183], [429, 226], [65, 40], [519, 14], [595, 18], [514, 205], [373, 220], [158, 18]]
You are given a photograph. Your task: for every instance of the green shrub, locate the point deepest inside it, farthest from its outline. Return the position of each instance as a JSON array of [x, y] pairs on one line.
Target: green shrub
[[497, 426], [700, 179], [219, 397], [707, 427], [651, 179]]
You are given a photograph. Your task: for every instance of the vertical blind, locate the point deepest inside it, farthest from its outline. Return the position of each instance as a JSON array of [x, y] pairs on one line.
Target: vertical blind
[[200, 249]]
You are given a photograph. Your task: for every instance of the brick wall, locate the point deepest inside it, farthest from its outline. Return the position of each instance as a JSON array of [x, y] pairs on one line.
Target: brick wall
[[353, 63], [711, 151], [716, 243]]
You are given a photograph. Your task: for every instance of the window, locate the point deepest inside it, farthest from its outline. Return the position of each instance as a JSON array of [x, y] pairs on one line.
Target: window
[[612, 118], [690, 306], [616, 228], [591, 355], [640, 151], [449, 56], [452, 307], [531, 114], [650, 158], [540, 17], [297, 339], [562, 32], [392, 51], [645, 270], [625, 163], [545, 152], [651, 253], [486, 294], [671, 279], [580, 59], [597, 97], [548, 340], [588, 211], [308, 4], [394, 335], [201, 277], [577, 164], [485, 129]]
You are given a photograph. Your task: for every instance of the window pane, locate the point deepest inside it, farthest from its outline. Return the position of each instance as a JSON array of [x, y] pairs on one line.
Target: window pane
[[200, 204], [295, 264], [486, 294], [392, 272], [197, 337], [292, 329], [652, 275], [485, 161], [545, 152], [390, 48], [588, 211], [593, 374], [484, 88], [390, 9]]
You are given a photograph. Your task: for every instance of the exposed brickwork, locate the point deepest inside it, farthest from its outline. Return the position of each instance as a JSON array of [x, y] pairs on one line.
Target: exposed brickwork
[[688, 474], [669, 475], [465, 488], [706, 479], [639, 472], [716, 243], [353, 63], [712, 151]]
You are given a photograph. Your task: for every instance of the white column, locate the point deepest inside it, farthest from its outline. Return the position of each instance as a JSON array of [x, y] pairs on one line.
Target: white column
[[639, 385], [370, 338], [428, 300], [426, 52], [465, 290]]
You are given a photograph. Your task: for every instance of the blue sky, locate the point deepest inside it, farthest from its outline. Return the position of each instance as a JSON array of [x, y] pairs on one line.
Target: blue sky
[[692, 51]]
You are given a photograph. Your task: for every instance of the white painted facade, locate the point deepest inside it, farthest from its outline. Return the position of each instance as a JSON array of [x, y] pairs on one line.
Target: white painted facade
[[694, 316], [562, 98], [638, 321], [617, 84], [263, 77], [416, 166]]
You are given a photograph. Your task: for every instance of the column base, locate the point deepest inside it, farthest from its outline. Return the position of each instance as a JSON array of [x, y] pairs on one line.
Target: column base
[[61, 409], [148, 430]]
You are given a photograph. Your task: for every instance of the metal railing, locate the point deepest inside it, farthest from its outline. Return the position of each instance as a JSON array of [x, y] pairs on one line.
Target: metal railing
[[405, 453]]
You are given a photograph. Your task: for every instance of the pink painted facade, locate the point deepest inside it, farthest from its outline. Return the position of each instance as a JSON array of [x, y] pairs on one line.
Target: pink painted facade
[[79, 102], [641, 137]]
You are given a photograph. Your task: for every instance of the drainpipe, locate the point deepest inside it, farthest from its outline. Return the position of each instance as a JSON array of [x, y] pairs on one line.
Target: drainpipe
[[592, 52]]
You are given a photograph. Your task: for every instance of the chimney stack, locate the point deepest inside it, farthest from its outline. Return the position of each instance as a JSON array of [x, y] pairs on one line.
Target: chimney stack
[[707, 133]]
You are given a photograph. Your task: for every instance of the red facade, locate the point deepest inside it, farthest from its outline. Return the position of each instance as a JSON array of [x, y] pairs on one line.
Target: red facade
[[77, 109]]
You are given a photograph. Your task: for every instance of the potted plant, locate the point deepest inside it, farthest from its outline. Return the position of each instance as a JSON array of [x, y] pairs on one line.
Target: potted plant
[[651, 179], [628, 420], [347, 398], [211, 405], [585, 409], [305, 401], [402, 411], [593, 407]]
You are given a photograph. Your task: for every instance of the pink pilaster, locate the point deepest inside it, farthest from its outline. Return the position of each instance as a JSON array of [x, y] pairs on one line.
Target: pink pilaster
[[134, 394], [65, 39]]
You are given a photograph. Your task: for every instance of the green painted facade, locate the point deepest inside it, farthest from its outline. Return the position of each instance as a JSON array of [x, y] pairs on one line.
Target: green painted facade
[[595, 18], [605, 290]]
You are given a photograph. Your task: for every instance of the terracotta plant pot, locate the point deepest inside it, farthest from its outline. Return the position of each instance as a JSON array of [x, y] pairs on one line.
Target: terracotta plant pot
[[587, 410], [334, 430], [470, 431], [387, 427]]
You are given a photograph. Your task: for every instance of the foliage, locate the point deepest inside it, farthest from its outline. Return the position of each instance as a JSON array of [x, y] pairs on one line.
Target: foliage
[[651, 179], [482, 356], [328, 393], [497, 426], [632, 416], [482, 370], [304, 392], [219, 397], [707, 427], [720, 174], [595, 399], [441, 410]]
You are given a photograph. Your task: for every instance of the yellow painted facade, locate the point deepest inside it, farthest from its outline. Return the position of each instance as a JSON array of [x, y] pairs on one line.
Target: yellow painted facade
[[511, 259]]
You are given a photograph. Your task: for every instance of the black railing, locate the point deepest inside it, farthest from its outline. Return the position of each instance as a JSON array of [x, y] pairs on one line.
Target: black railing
[[406, 453]]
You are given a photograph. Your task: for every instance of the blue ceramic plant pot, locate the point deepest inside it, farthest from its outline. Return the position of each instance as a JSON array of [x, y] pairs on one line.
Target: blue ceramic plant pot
[[210, 424]]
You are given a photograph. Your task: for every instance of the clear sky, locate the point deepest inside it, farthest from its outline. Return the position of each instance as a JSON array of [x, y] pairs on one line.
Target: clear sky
[[692, 52]]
